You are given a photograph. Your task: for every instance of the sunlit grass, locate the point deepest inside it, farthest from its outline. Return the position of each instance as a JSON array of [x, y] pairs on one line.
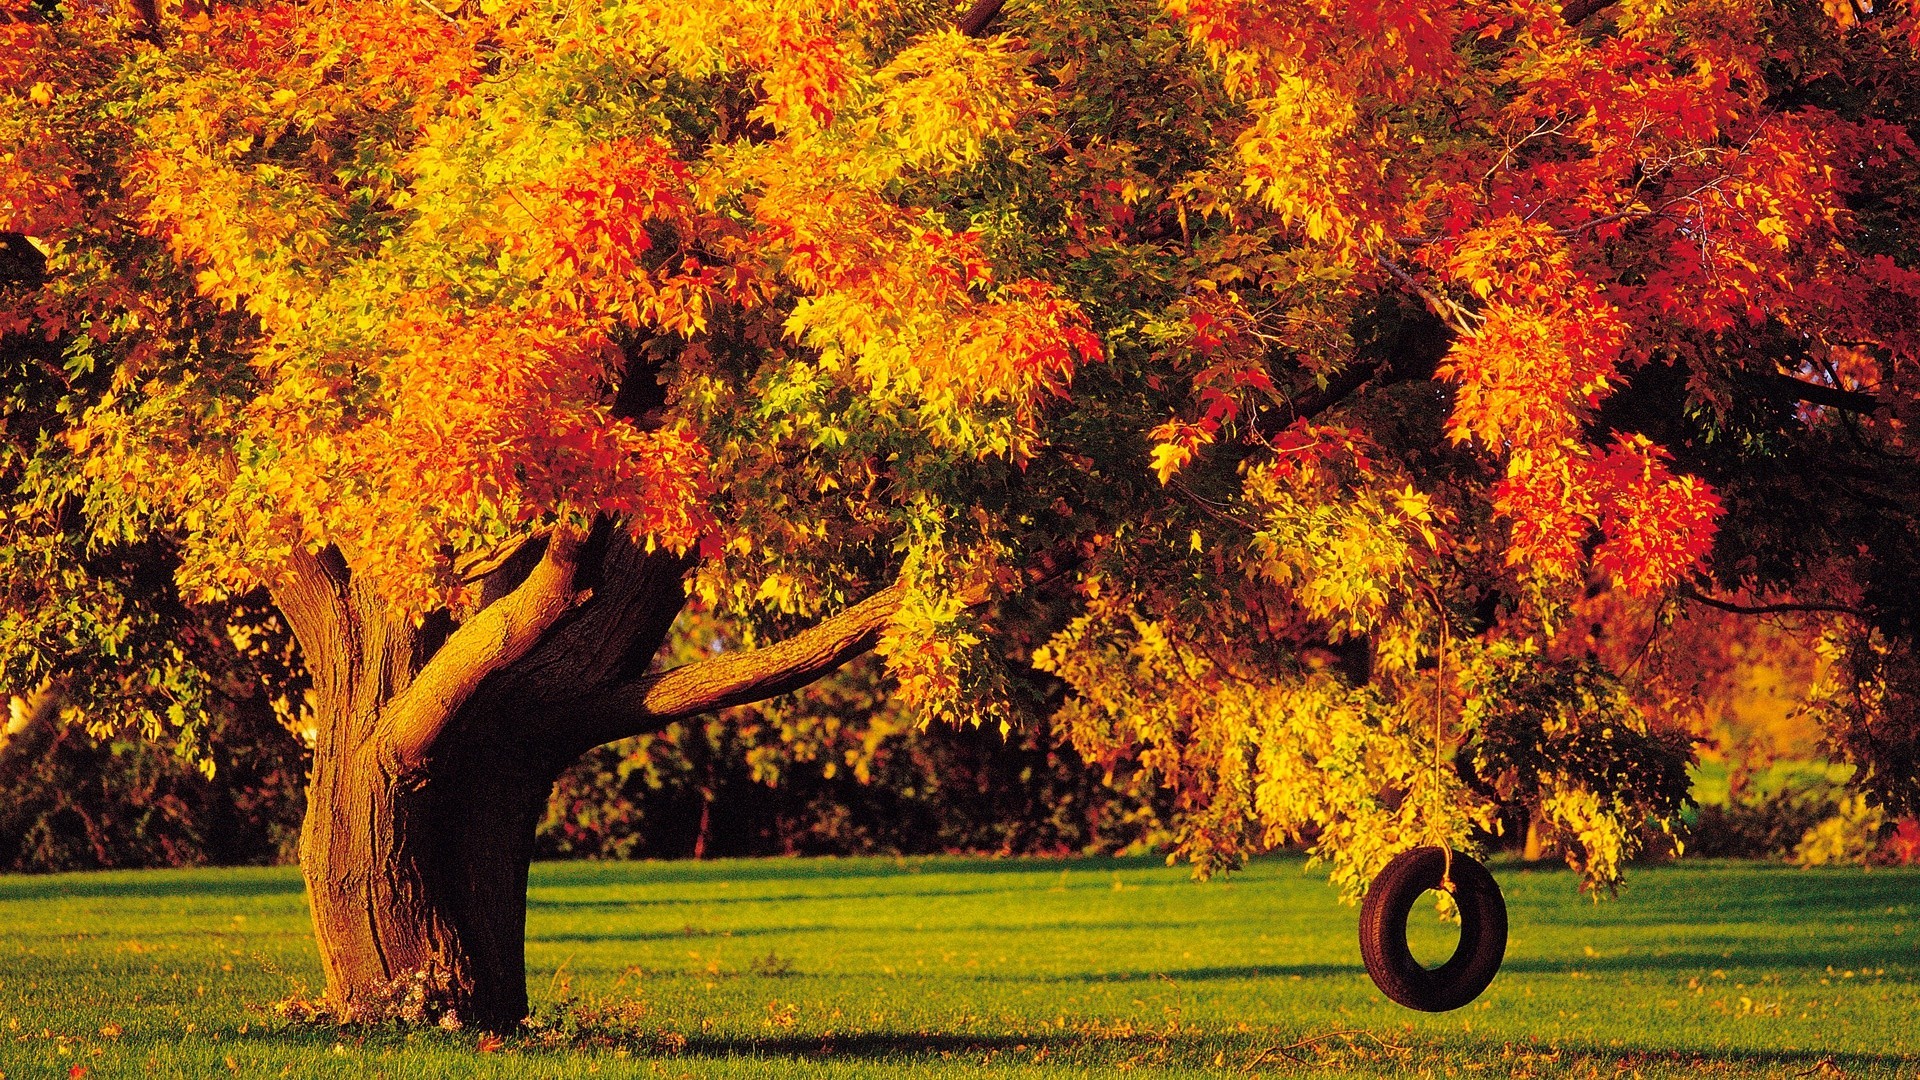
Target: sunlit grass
[[946, 966]]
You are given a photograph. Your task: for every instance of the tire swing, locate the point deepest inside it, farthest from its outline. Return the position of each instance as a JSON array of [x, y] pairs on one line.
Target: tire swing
[[1383, 930]]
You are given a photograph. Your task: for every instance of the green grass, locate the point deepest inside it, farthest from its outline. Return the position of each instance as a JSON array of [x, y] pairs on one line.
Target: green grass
[[947, 967]]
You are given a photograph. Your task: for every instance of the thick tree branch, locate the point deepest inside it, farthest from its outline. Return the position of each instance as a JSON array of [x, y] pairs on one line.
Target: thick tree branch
[[477, 566], [500, 634], [653, 701], [608, 641], [1788, 388], [730, 679], [1345, 382], [311, 592], [20, 262], [39, 706], [1413, 356], [1462, 321]]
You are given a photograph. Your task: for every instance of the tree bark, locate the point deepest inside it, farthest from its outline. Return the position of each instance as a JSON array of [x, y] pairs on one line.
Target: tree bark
[[418, 880], [438, 743], [430, 774]]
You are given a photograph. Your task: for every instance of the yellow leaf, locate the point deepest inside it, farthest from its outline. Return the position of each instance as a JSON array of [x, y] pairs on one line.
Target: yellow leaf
[[41, 94], [1168, 458]]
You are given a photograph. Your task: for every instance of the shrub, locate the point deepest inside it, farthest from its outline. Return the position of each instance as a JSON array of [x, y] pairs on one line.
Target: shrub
[[1806, 814], [73, 801]]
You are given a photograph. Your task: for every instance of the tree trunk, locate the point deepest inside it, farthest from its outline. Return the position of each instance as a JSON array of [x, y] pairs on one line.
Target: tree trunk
[[418, 885], [439, 742], [1536, 845]]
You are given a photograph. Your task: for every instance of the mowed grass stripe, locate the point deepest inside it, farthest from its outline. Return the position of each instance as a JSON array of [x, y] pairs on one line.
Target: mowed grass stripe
[[923, 967]]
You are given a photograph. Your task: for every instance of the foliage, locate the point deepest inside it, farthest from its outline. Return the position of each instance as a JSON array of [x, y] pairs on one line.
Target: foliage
[[1869, 703], [72, 801], [1328, 355], [1803, 812], [1742, 684], [1766, 829], [1564, 738], [1851, 835], [1763, 820]]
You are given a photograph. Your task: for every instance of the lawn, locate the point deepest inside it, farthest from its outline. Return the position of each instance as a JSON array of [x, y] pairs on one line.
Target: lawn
[[944, 967]]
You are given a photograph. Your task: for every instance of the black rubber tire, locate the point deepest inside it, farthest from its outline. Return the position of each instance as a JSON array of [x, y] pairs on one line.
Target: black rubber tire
[[1383, 931]]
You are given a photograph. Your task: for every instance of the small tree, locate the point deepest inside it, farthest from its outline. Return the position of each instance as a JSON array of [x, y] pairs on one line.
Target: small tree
[[1282, 343]]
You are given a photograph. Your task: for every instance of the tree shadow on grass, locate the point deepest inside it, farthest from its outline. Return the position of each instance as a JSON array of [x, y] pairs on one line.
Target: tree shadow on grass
[[1352, 1050], [1679, 895], [688, 933], [739, 871], [875, 895], [871, 895], [1810, 960], [1810, 963], [1239, 973], [864, 887], [856, 929], [1097, 1044], [146, 884]]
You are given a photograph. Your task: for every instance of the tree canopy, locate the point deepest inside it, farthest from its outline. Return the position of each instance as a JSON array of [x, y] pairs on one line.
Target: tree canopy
[[1275, 376]]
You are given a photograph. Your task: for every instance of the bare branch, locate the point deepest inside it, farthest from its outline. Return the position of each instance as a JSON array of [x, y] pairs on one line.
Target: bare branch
[[1690, 593], [1349, 379], [500, 634], [475, 566], [1463, 322], [429, 6], [653, 701], [149, 12], [36, 707]]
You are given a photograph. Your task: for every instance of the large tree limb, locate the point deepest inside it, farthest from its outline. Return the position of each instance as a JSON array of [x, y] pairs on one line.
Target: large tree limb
[[610, 640], [1786, 387], [311, 592], [740, 678], [501, 633], [758, 674], [653, 701]]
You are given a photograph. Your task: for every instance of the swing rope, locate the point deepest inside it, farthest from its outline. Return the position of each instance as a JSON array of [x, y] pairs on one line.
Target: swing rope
[[1436, 807]]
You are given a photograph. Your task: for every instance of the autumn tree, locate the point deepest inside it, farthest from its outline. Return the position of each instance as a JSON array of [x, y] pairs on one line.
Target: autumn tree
[[1273, 375]]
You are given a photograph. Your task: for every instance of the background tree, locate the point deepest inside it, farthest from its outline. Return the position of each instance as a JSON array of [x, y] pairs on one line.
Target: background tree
[[840, 770], [1284, 344]]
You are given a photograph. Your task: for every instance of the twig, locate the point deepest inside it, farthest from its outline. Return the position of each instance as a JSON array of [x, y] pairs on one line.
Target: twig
[[1257, 1059], [429, 6], [1310, 1040], [1449, 312], [1578, 11]]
